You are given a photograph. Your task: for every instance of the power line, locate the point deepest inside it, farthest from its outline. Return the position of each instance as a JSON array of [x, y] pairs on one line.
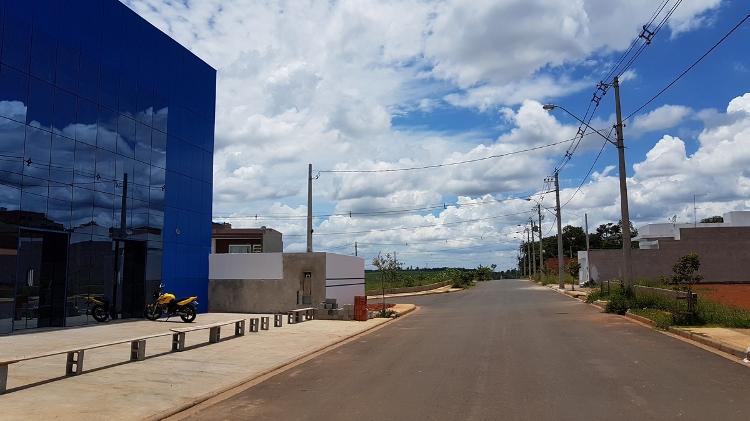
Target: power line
[[414, 227], [689, 68], [468, 161], [590, 168], [383, 211]]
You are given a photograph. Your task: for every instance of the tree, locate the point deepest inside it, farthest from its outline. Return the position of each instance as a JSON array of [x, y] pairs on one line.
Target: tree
[[609, 236], [483, 273], [686, 275], [712, 220], [388, 266], [573, 268]]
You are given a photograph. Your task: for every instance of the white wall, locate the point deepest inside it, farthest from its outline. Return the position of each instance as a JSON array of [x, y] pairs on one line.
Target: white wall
[[345, 277], [245, 266]]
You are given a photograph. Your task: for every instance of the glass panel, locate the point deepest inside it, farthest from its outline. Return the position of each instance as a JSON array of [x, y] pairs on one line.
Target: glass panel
[[85, 165], [62, 157], [123, 165], [43, 53], [126, 138], [108, 87], [88, 85], [107, 134], [102, 267], [58, 214], [127, 98], [14, 87], [39, 113], [105, 171], [36, 166], [145, 101], [157, 189], [33, 210], [79, 267], [65, 113], [86, 122], [83, 202], [27, 282], [12, 134], [143, 143], [8, 248], [67, 67], [10, 203], [104, 210], [16, 39], [158, 149]]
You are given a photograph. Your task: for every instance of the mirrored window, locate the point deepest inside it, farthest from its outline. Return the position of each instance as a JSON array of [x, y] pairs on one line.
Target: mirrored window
[[64, 113], [14, 87], [39, 113], [43, 53], [86, 122], [106, 137], [126, 138]]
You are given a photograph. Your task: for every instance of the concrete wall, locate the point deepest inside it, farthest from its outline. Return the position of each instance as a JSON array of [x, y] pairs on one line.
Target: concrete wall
[[264, 282], [345, 277], [272, 242], [724, 253], [245, 266]]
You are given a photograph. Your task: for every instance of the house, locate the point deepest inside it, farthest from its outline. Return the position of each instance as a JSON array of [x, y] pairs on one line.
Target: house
[[225, 239], [723, 248]]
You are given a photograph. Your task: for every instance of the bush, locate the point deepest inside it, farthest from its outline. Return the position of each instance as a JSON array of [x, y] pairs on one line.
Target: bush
[[618, 303], [387, 313], [594, 296]]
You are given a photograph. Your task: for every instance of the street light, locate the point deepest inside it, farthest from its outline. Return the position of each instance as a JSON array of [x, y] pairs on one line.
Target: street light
[[620, 144]]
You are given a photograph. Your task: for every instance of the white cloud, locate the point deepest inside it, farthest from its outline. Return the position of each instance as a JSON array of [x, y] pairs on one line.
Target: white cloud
[[319, 82], [664, 117]]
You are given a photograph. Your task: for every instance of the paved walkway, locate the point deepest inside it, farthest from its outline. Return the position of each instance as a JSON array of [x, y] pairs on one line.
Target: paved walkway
[[164, 381]]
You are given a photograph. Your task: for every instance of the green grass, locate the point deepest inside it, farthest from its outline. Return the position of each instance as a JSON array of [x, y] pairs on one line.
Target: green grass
[[663, 310]]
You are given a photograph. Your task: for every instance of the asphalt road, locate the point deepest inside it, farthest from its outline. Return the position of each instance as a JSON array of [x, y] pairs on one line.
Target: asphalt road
[[504, 350]]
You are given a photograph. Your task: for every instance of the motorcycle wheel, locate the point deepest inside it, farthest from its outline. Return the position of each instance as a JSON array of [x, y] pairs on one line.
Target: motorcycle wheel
[[153, 312], [99, 313], [188, 314]]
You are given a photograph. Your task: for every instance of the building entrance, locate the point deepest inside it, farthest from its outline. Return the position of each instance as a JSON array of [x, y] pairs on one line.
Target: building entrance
[[129, 279], [40, 279]]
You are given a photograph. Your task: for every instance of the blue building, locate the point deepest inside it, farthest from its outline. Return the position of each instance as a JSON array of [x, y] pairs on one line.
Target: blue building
[[106, 152]]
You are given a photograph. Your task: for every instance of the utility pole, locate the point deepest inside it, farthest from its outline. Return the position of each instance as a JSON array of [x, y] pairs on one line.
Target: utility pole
[[695, 214], [309, 209], [541, 252], [625, 213], [560, 260], [586, 225], [533, 260], [122, 234], [528, 250], [355, 248]]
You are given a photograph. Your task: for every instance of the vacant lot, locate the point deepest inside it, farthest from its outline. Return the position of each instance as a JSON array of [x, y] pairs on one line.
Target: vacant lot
[[736, 295]]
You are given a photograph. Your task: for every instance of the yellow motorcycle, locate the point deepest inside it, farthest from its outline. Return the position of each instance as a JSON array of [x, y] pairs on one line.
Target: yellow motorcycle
[[167, 304]]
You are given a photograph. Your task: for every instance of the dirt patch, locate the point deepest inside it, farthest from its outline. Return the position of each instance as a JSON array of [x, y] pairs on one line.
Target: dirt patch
[[379, 306], [736, 295]]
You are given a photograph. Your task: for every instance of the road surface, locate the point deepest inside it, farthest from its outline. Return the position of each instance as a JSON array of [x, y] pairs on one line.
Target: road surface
[[504, 350]]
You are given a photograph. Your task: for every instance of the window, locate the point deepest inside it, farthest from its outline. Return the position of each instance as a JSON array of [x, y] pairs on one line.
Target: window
[[257, 248], [240, 248]]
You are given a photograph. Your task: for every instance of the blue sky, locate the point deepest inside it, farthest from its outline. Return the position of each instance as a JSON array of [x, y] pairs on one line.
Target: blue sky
[[388, 84]]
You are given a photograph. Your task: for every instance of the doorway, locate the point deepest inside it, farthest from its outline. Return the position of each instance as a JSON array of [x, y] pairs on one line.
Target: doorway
[[40, 279], [129, 279]]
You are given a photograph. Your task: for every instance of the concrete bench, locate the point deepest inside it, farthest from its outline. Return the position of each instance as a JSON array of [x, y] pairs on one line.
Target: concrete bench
[[214, 332], [300, 315], [74, 362]]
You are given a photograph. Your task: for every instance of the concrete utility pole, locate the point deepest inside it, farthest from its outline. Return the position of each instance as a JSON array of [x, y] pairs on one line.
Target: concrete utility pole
[[625, 214], [528, 250], [560, 260], [355, 248], [586, 225], [541, 252], [533, 260], [309, 209]]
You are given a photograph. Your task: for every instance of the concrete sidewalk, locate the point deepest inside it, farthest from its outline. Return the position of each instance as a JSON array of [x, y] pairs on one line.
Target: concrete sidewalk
[[730, 341], [112, 388]]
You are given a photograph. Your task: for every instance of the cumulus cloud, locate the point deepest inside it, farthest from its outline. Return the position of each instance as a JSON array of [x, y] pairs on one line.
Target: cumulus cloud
[[664, 117], [319, 82]]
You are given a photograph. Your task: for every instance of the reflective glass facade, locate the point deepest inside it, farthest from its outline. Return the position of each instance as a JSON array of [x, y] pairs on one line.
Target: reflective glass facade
[[106, 152]]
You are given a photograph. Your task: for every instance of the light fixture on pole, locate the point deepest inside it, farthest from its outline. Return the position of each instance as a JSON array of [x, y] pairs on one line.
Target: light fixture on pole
[[619, 143]]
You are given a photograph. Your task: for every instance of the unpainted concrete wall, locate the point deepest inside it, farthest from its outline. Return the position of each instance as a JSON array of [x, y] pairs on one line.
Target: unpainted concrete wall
[[269, 295], [724, 253]]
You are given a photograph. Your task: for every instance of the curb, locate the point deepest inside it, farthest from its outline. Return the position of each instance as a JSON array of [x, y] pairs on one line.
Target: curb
[[711, 343], [415, 294], [174, 413]]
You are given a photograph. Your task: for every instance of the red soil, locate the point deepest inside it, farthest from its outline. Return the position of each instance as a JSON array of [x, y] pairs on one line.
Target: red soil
[[378, 306], [736, 295]]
